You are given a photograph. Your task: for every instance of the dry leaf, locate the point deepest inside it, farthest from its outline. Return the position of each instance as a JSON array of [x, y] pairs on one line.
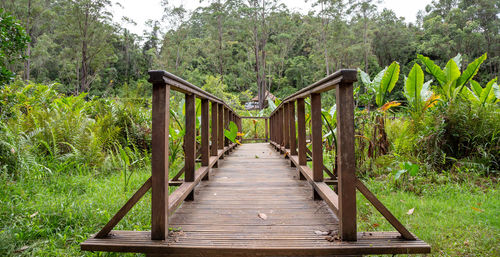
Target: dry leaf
[[477, 209], [321, 233], [22, 249], [410, 211], [33, 215], [375, 225], [262, 216], [332, 238], [466, 242]]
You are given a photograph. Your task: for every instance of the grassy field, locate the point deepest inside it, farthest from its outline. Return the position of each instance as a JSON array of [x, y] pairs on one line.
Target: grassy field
[[51, 216]]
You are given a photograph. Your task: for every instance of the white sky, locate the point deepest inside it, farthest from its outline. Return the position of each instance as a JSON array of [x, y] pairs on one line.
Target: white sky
[[142, 10]]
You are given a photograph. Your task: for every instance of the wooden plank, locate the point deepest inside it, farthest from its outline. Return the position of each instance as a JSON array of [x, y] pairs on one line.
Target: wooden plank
[[159, 160], [192, 245], [384, 211], [214, 135], [125, 209], [292, 129], [317, 137], [346, 162], [205, 129]]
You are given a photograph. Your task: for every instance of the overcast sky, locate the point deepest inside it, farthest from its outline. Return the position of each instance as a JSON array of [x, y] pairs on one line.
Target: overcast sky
[[142, 10]]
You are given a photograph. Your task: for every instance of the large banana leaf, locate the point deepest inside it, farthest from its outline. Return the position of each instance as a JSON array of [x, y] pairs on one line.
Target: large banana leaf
[[452, 73], [391, 76], [471, 71], [414, 84], [433, 69]]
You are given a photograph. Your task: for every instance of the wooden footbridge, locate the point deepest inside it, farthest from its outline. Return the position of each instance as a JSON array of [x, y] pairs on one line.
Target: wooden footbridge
[[260, 199]]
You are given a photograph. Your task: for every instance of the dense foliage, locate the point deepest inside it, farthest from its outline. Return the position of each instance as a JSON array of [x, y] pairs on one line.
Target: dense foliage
[[247, 43]]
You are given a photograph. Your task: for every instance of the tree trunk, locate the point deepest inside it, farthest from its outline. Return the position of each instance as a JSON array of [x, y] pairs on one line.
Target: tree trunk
[[84, 72], [27, 64]]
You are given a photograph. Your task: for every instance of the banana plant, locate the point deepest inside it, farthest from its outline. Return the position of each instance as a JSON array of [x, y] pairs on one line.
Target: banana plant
[[232, 133], [450, 79], [482, 96], [383, 83], [418, 93]]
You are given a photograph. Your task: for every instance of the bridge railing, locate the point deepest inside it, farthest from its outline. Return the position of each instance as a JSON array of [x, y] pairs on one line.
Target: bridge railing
[[215, 117], [221, 115], [291, 140]]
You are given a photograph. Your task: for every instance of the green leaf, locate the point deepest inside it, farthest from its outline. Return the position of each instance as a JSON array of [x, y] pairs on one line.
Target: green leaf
[[458, 59], [471, 71], [433, 69], [487, 93], [476, 88], [387, 83], [399, 173], [414, 83], [232, 132], [376, 81], [365, 78], [452, 73]]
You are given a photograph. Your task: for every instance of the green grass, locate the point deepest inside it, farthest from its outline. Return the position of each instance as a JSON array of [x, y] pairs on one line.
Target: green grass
[[52, 216], [455, 219]]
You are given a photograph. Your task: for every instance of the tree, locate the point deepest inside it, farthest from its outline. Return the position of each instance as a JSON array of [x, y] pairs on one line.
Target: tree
[[13, 42]]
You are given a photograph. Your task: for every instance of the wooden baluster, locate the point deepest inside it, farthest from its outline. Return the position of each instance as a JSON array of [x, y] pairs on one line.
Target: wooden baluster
[[267, 132], [346, 167], [301, 129], [317, 140], [159, 159], [190, 141], [286, 125], [240, 129], [205, 140], [214, 132], [292, 130], [226, 124], [220, 128], [280, 128]]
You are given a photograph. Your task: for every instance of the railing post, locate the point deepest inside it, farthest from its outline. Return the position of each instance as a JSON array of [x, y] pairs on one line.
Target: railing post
[[190, 140], [292, 130], [226, 124], [267, 132], [213, 139], [346, 167], [286, 123], [159, 159], [301, 129], [205, 140], [220, 128], [280, 130], [240, 129], [317, 140]]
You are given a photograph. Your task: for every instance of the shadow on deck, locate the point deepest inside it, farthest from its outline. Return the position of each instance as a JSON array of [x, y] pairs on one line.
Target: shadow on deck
[[254, 204]]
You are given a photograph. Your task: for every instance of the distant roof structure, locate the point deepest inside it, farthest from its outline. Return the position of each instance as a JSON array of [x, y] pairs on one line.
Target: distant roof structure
[[268, 95]]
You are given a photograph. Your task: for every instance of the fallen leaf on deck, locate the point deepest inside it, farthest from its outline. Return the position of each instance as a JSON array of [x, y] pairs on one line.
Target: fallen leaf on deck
[[22, 249], [321, 233], [33, 215], [477, 209], [410, 211], [262, 216], [332, 238], [256, 157]]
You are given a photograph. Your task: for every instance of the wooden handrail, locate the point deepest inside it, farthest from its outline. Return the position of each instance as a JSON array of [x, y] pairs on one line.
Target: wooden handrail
[[181, 85]]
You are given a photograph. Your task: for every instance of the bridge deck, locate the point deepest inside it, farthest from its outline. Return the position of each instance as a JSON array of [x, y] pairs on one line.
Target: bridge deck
[[254, 204]]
